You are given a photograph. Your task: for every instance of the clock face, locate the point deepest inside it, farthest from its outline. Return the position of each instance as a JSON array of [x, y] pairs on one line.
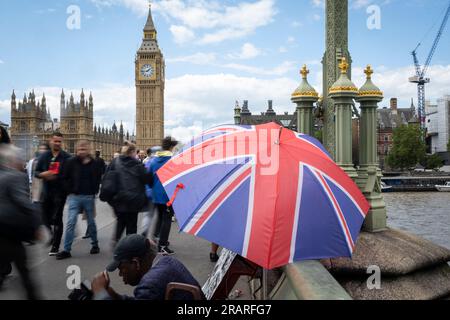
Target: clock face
[[147, 70]]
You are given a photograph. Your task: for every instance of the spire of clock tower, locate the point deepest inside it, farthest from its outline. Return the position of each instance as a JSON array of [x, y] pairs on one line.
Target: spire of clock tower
[[149, 42], [149, 73], [149, 26]]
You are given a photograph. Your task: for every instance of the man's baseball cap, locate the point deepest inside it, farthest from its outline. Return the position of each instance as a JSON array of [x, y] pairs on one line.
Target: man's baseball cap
[[133, 246]]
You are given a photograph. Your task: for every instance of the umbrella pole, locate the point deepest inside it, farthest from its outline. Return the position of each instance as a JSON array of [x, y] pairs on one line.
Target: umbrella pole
[[264, 284]]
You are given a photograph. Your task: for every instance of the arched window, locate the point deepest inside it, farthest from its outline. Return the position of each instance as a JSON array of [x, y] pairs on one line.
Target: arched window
[[23, 126]]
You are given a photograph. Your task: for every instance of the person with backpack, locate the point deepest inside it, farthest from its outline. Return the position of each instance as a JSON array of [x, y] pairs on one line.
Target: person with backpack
[[128, 177], [159, 196]]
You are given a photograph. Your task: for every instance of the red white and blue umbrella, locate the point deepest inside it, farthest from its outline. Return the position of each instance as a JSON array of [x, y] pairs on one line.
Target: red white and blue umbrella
[[269, 194]]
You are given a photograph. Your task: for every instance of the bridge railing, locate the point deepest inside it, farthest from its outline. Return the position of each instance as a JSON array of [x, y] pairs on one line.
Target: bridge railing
[[307, 280]]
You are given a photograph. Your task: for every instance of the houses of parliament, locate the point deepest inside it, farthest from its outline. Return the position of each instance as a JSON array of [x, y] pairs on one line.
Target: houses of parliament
[[31, 122]]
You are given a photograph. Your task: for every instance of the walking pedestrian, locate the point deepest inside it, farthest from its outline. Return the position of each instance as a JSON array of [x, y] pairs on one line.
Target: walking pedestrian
[[5, 268], [141, 156], [19, 218], [49, 168], [130, 198], [102, 167], [4, 136], [160, 198], [100, 162], [36, 184], [81, 176], [149, 222]]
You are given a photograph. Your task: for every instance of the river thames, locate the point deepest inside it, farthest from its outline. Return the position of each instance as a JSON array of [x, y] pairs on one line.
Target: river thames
[[424, 214]]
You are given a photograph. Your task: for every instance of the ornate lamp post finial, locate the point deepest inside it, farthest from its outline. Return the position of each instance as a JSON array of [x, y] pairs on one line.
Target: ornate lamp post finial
[[368, 71], [304, 72], [344, 66]]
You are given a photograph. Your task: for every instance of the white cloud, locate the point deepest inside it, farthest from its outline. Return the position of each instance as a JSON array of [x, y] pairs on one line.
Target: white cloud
[[354, 4], [291, 40], [248, 51], [199, 58], [357, 4], [1, 61], [318, 3], [394, 83], [197, 102], [211, 59], [181, 34], [296, 24], [317, 17], [44, 11], [280, 70], [5, 106], [139, 7], [218, 22], [211, 98], [282, 49]]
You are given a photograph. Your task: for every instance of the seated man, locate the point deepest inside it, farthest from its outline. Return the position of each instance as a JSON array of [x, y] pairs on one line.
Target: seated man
[[140, 266]]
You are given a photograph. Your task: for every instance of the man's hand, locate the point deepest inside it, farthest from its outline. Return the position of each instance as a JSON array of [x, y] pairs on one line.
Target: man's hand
[[100, 282], [48, 175]]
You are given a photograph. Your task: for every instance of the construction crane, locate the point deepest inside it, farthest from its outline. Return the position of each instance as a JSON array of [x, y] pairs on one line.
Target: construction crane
[[420, 77]]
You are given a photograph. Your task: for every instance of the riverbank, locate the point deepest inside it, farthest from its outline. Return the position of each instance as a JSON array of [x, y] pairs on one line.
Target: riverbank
[[415, 183]]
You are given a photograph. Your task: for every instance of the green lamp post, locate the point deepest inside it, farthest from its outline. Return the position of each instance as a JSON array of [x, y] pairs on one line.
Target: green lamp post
[[369, 174], [343, 92], [237, 114], [305, 96]]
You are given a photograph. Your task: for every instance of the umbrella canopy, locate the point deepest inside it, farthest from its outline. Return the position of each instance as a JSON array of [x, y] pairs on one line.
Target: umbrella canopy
[[269, 194]]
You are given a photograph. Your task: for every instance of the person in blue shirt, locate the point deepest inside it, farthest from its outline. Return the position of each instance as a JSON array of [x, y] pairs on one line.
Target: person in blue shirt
[[159, 196], [149, 219]]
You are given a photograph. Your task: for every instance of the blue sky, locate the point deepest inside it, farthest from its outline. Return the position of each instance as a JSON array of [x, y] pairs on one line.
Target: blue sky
[[216, 52]]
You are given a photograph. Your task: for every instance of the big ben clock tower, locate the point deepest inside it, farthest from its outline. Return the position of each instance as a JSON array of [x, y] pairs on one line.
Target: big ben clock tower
[[149, 75]]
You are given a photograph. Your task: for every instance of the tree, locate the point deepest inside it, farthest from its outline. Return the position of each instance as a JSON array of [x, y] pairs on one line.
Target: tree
[[448, 146], [318, 134], [434, 162], [408, 147]]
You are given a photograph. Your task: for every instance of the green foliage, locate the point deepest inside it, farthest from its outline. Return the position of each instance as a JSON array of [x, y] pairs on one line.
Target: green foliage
[[318, 135], [408, 149], [448, 146], [434, 162]]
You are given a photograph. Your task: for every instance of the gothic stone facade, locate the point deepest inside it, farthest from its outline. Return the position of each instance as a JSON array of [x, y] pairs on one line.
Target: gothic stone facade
[[245, 117], [388, 120], [149, 80], [31, 123]]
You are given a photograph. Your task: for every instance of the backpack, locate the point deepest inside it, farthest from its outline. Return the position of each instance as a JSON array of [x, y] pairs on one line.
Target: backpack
[[122, 189], [110, 184]]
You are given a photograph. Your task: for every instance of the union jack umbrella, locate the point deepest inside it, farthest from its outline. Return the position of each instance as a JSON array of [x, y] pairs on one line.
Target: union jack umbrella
[[269, 194]]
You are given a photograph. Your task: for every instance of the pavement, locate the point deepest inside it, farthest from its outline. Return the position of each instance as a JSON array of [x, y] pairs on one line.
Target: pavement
[[52, 275]]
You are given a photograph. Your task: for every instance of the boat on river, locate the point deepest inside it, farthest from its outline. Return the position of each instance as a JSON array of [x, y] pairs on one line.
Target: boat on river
[[444, 188], [385, 187]]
